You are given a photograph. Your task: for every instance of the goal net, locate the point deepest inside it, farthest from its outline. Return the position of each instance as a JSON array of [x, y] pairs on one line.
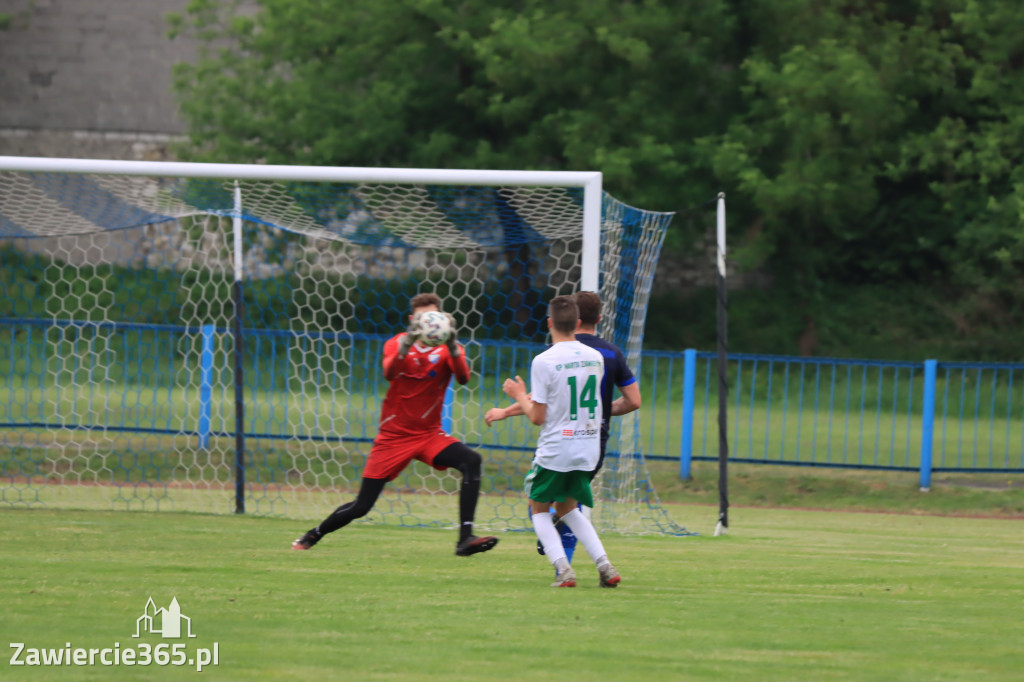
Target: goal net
[[208, 337]]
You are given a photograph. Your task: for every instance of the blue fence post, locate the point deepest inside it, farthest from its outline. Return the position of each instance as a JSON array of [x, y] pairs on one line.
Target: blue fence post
[[689, 386], [928, 423], [205, 386], [446, 409]]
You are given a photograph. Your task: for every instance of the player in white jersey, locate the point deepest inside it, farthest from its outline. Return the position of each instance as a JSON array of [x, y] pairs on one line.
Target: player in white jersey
[[566, 403], [565, 378]]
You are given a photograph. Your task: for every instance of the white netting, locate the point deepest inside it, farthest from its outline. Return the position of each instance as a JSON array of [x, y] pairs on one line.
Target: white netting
[[118, 350]]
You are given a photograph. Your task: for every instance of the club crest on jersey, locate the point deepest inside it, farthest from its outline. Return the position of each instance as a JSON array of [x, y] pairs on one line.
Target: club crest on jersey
[[434, 358]]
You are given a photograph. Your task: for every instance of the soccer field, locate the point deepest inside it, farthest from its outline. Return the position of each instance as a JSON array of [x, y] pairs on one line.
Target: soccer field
[[788, 595]]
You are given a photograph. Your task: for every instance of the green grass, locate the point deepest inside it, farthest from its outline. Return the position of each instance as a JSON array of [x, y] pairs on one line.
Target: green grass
[[752, 485], [787, 595]]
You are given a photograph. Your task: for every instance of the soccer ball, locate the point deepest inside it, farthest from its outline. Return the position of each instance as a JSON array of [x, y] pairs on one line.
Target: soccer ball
[[434, 328]]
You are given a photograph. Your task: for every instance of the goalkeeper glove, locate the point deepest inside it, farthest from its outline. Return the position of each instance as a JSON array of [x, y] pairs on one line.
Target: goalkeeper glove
[[453, 343], [412, 335]]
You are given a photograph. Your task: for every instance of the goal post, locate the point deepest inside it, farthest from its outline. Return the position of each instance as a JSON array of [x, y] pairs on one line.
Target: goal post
[[207, 337]]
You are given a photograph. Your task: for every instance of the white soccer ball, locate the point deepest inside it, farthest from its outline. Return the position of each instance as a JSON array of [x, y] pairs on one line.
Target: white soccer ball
[[434, 328]]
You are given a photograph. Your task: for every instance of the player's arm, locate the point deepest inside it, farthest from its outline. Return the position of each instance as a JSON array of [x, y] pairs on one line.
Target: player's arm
[[457, 354], [496, 414], [629, 400], [459, 365], [392, 362], [516, 389], [629, 387], [397, 348]]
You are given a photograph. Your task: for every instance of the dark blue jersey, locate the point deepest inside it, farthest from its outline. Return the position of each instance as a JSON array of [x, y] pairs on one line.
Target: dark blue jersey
[[616, 373]]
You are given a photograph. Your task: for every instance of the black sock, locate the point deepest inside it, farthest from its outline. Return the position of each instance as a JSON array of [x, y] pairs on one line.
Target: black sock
[[369, 491], [338, 519], [467, 461], [469, 492]]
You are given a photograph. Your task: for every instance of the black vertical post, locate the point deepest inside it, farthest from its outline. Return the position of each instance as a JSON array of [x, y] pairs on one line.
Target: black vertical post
[[723, 402], [723, 376]]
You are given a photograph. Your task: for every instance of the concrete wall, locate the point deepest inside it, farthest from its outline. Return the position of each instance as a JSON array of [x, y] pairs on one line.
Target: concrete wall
[[89, 78], [99, 65]]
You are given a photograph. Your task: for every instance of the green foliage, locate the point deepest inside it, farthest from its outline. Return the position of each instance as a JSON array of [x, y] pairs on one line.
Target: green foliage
[[32, 286], [863, 145], [10, 21], [882, 321], [38, 286], [881, 143], [421, 83]]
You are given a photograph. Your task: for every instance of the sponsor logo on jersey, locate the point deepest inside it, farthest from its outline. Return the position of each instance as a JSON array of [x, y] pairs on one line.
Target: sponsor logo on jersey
[[579, 433]]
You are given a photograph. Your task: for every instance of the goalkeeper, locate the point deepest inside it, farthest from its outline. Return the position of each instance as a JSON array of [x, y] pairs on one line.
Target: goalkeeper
[[616, 374], [410, 428]]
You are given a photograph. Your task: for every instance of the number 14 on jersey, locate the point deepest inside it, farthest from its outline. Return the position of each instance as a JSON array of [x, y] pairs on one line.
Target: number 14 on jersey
[[585, 397]]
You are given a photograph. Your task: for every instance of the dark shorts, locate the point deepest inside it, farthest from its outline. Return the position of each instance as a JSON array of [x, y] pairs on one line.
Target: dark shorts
[[391, 454], [600, 461]]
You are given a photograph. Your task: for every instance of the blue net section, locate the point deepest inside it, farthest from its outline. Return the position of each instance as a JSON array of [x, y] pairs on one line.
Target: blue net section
[[117, 355]]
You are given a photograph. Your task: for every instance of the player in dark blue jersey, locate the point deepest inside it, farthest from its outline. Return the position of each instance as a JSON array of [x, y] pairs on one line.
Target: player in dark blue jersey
[[616, 375], [616, 371]]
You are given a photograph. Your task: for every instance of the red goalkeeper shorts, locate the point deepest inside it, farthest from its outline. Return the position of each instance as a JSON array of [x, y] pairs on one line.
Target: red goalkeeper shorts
[[390, 454]]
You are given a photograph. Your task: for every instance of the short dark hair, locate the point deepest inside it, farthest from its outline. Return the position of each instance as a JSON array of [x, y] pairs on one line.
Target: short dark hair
[[564, 314], [423, 300], [589, 304]]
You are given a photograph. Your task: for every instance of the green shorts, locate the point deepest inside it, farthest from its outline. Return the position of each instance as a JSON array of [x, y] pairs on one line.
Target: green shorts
[[544, 485]]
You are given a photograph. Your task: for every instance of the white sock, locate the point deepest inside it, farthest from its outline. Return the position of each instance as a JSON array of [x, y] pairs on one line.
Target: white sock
[[584, 531], [549, 537], [588, 512]]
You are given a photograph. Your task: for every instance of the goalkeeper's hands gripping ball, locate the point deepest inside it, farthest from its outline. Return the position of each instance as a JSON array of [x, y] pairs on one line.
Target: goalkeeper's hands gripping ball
[[412, 335], [454, 349]]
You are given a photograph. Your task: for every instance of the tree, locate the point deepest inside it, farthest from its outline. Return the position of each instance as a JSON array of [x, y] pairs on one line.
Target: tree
[[861, 142], [564, 85], [881, 142]]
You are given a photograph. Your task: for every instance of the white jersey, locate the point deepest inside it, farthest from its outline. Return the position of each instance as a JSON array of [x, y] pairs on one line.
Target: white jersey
[[567, 379]]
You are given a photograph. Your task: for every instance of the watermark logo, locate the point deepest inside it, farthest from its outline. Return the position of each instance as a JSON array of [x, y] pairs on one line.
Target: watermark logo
[[163, 622], [169, 623]]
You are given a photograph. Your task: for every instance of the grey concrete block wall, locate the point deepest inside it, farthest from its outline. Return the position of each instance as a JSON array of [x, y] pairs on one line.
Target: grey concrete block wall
[[90, 65], [84, 144]]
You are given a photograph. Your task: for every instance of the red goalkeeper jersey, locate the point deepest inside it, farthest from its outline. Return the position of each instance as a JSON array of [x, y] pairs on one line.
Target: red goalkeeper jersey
[[415, 395]]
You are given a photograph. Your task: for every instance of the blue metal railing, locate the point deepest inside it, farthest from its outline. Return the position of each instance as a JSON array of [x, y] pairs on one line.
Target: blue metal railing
[[924, 416]]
